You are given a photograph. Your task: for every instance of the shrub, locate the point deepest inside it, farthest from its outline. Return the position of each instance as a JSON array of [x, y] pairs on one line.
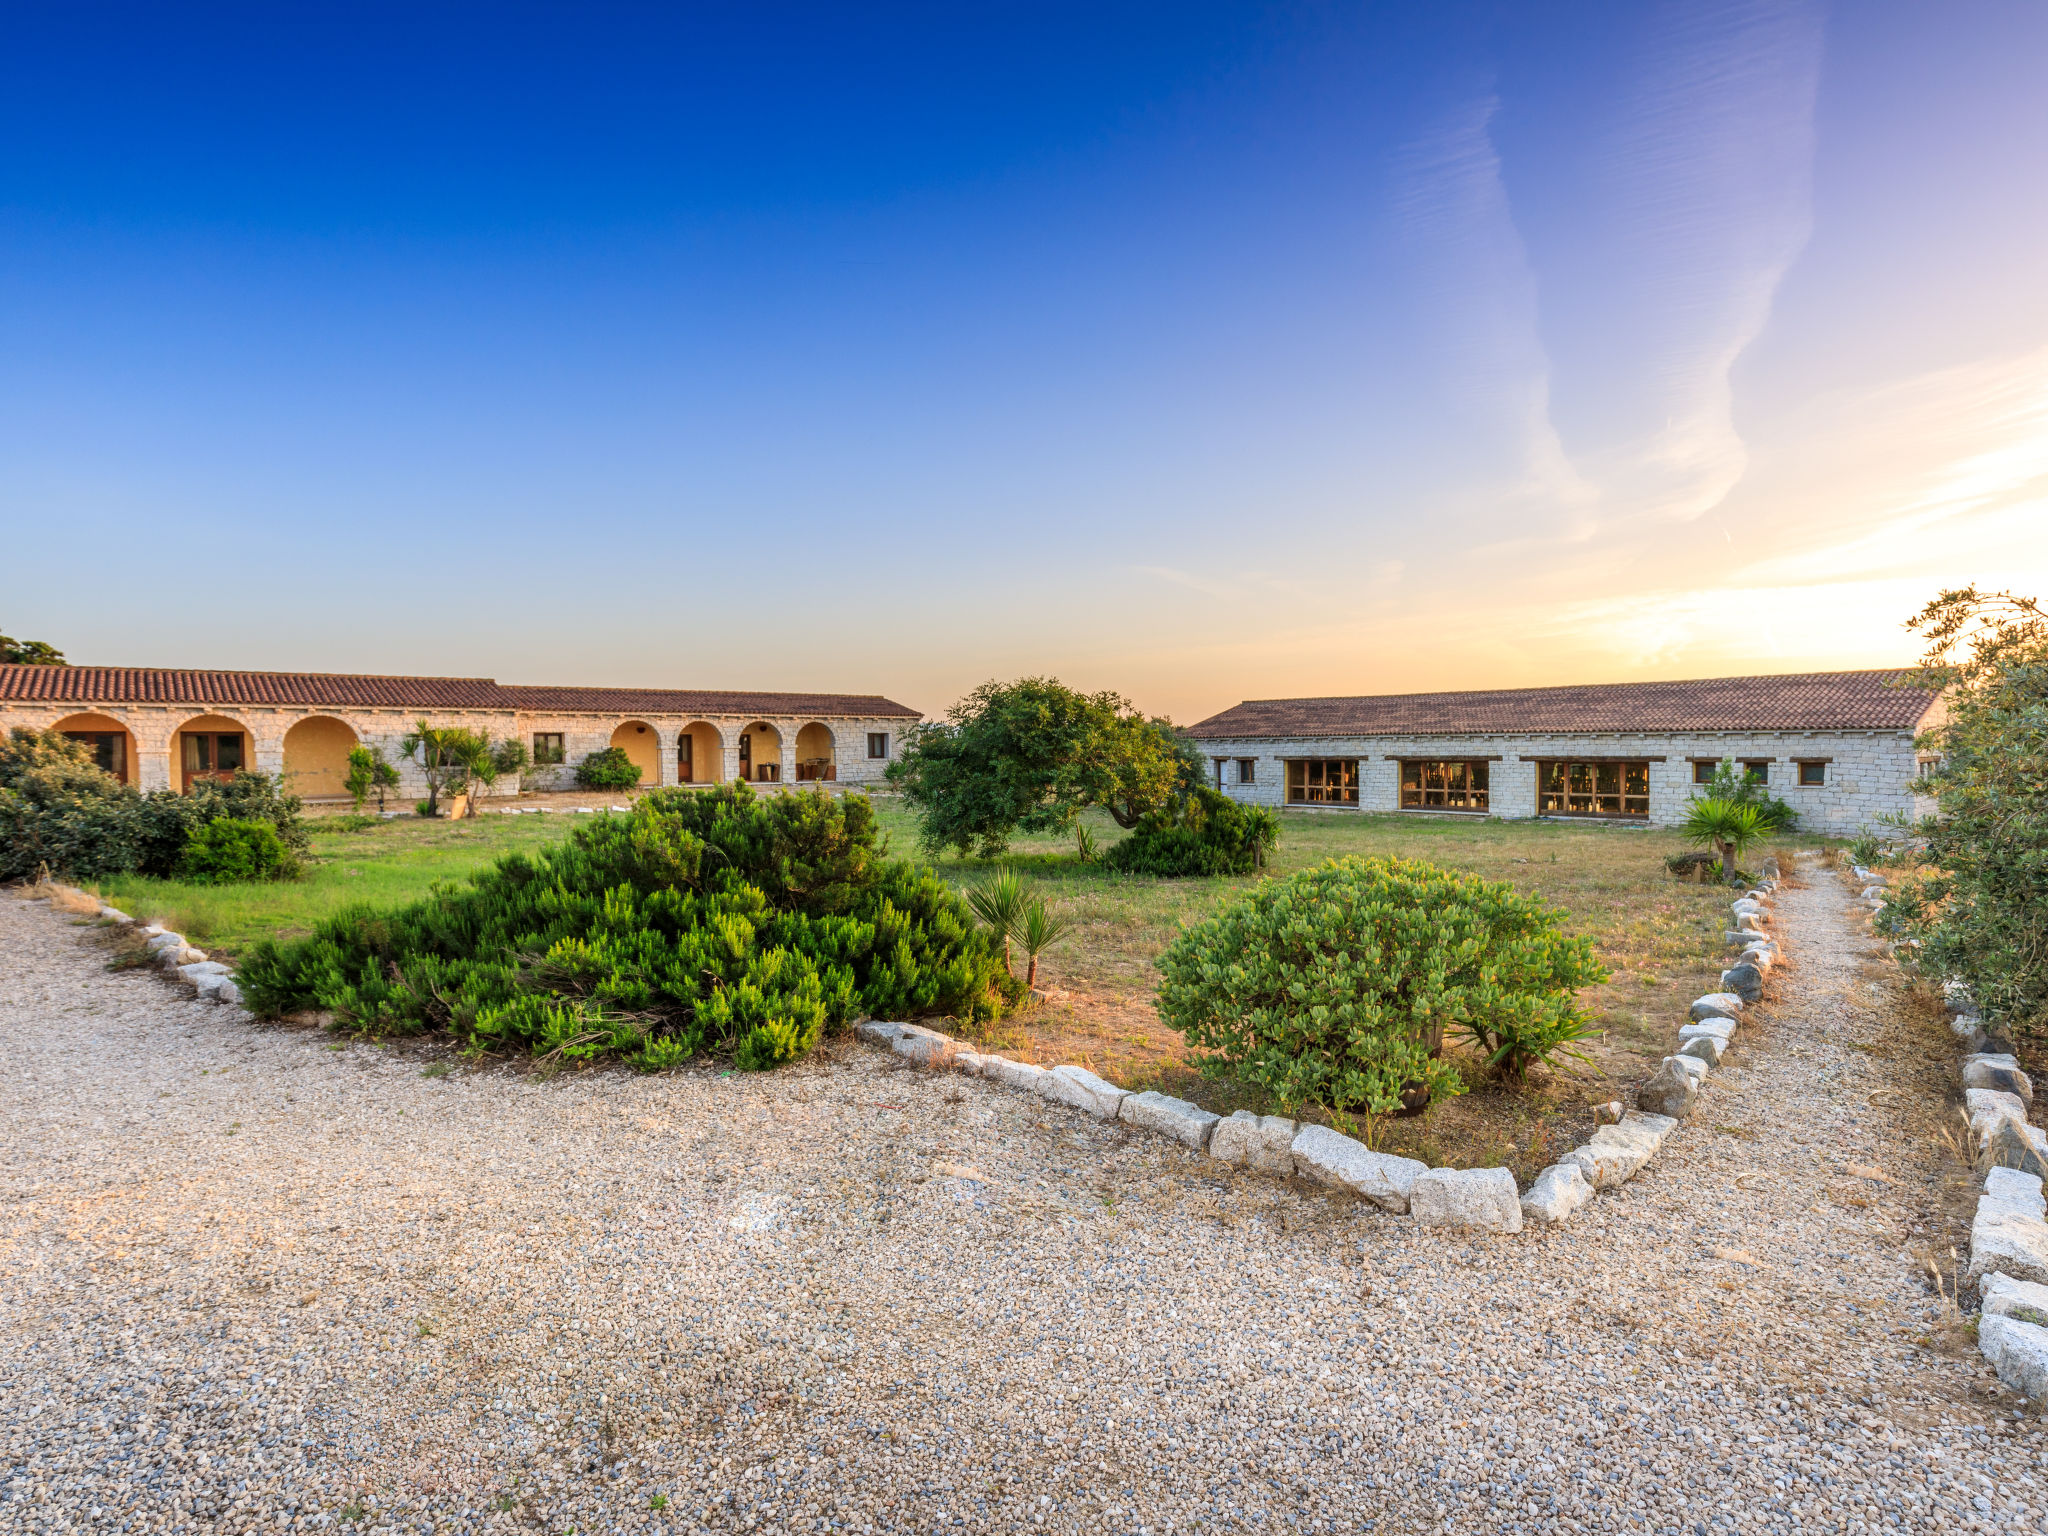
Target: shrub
[[369, 772], [1981, 914], [1202, 832], [1337, 985], [704, 921], [609, 769], [229, 849], [58, 808], [1733, 783]]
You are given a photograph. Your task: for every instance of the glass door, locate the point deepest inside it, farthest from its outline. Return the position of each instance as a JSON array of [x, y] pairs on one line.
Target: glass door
[[214, 755]]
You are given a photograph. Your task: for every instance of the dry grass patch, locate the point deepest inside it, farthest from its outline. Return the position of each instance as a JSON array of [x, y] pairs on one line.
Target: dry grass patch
[[1659, 937]]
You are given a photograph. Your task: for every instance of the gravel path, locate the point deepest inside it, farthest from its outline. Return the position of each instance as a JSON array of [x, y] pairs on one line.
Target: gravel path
[[252, 1282]]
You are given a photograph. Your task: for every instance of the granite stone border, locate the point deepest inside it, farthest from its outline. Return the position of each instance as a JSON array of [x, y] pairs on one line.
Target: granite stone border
[[1482, 1199], [2009, 1230], [1474, 1199]]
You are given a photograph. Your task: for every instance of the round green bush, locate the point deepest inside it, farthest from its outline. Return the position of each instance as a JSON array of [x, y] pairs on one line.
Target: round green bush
[[229, 849], [1338, 985], [1203, 832], [609, 769]]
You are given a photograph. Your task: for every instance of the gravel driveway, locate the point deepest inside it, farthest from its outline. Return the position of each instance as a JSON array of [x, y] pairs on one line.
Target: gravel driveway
[[253, 1282]]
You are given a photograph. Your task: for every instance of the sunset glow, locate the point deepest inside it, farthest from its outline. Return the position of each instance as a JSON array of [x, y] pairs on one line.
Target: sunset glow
[[1203, 354]]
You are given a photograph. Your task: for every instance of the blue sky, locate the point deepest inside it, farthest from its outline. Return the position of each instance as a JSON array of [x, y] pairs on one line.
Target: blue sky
[[1203, 353]]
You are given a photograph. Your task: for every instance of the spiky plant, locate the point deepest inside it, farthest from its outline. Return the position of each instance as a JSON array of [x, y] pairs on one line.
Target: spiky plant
[[1728, 826], [1000, 904], [1039, 929]]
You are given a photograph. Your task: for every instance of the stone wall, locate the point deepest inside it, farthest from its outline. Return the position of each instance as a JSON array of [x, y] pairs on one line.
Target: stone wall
[[1868, 772]]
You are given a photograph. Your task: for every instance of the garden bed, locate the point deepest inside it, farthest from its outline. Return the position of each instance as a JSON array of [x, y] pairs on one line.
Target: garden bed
[[1660, 937]]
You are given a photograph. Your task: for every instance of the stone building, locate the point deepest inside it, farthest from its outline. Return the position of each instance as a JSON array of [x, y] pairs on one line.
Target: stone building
[[161, 728], [1837, 746]]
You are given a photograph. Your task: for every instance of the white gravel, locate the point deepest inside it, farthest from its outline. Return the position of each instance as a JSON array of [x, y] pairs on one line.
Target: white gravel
[[250, 1283]]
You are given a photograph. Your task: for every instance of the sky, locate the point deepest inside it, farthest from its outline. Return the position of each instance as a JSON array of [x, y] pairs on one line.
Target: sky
[[1197, 352]]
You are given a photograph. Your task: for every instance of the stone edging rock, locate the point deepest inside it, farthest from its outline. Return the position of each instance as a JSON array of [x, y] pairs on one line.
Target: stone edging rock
[[173, 954], [1484, 1199], [2009, 1232]]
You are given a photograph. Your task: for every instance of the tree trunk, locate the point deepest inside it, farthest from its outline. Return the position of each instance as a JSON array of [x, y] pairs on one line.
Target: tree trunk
[[1031, 973]]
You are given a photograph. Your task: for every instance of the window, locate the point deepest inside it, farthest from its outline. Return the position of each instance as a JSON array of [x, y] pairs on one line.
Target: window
[[547, 748], [1813, 775], [1217, 763], [1247, 770], [686, 758], [1592, 789], [878, 743], [1449, 786], [1322, 781], [109, 750], [210, 755], [1757, 770]]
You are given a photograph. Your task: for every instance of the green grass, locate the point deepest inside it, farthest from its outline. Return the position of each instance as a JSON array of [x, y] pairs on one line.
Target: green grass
[[385, 864]]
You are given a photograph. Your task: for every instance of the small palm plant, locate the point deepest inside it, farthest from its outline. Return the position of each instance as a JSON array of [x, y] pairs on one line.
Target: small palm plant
[[1084, 844], [1727, 825], [1039, 929], [1000, 903]]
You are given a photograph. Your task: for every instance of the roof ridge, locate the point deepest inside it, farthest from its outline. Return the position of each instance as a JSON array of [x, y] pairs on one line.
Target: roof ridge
[[1649, 682], [95, 666]]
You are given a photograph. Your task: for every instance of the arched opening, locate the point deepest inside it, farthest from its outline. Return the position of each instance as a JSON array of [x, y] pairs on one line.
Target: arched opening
[[642, 745], [316, 758], [814, 758], [700, 754], [211, 747], [761, 753], [113, 746]]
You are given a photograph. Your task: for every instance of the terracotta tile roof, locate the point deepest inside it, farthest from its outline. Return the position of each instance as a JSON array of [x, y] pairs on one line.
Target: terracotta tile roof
[[701, 701], [170, 685], [1807, 701]]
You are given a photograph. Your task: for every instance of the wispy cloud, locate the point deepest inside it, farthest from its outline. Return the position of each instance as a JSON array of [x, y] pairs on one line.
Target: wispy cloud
[[1476, 293], [1703, 203]]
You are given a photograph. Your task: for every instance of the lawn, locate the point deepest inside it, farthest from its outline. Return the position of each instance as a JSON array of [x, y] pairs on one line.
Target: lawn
[[1659, 937], [383, 864]]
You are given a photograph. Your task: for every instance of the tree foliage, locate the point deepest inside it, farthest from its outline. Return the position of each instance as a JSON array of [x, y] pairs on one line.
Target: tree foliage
[[1981, 911], [1030, 756], [33, 653], [699, 922], [1337, 985]]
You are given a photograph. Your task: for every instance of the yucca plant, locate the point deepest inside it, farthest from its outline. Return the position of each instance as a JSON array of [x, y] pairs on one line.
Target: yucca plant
[[1084, 844], [1728, 826], [1039, 929], [1000, 903]]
